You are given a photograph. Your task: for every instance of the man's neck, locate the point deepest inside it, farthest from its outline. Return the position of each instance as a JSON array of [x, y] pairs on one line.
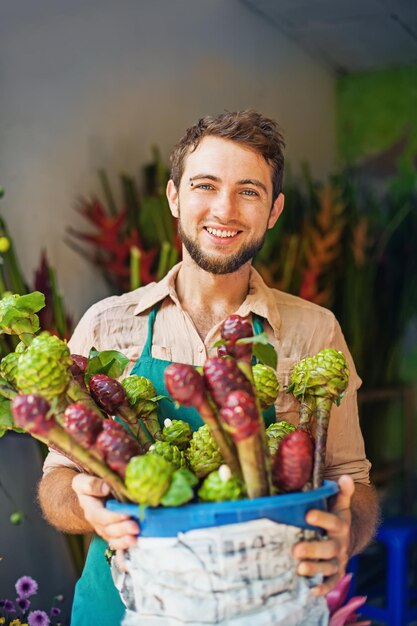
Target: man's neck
[[209, 298]]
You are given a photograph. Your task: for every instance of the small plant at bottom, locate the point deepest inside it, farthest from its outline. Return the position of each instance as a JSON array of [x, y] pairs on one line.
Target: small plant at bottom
[[19, 612]]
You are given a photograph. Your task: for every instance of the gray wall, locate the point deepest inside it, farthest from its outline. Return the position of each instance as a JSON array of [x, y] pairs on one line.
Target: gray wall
[[91, 83]]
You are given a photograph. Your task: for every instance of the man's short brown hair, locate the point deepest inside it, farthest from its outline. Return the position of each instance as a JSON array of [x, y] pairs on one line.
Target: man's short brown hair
[[248, 127]]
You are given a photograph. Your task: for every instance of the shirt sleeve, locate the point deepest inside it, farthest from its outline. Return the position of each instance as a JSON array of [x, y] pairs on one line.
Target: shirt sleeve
[[345, 452]]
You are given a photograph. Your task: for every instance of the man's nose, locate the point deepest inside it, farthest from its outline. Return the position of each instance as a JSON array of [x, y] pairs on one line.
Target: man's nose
[[225, 205]]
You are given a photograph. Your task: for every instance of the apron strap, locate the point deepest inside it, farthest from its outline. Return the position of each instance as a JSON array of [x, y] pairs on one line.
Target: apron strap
[[258, 328], [147, 348], [258, 324]]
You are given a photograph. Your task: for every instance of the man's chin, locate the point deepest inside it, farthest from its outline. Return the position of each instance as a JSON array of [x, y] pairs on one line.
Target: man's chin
[[219, 267], [220, 263]]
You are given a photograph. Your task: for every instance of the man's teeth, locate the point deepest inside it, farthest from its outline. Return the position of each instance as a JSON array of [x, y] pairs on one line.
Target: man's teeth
[[222, 233]]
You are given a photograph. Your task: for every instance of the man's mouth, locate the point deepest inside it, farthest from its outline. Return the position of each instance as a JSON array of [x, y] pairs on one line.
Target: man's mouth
[[223, 233]]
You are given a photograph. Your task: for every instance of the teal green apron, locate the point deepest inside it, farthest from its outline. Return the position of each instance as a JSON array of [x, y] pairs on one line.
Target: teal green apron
[[96, 599]]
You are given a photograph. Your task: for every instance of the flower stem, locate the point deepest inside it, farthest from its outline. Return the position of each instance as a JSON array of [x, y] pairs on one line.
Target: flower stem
[[324, 406], [227, 448]]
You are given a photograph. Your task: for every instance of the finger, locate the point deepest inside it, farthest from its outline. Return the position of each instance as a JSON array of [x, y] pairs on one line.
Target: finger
[[316, 550], [344, 497], [121, 562], [310, 568], [115, 531], [100, 518], [121, 543], [327, 585], [329, 522], [83, 484]]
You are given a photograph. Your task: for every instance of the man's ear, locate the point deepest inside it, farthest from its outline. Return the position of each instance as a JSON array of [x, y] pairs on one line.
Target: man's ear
[[276, 210], [172, 195]]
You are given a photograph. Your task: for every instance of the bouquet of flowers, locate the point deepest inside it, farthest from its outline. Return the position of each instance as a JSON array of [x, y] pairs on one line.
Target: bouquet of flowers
[[68, 401]]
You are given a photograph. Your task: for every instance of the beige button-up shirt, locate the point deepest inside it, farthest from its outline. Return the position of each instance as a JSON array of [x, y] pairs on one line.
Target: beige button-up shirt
[[295, 327]]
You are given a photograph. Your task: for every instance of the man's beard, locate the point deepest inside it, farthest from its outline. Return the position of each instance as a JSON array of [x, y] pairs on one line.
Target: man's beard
[[218, 265]]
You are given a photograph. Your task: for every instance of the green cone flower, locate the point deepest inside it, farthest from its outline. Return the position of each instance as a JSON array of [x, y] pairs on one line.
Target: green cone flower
[[221, 486], [140, 391], [203, 455], [319, 381], [43, 367], [141, 396], [324, 375], [177, 432], [56, 347], [275, 433], [8, 367], [169, 452], [148, 478], [266, 384]]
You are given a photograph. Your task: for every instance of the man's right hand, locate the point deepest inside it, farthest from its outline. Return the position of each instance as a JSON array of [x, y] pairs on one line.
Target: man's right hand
[[120, 531]]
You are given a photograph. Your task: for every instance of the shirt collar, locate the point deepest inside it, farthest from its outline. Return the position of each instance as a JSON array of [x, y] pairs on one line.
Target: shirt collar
[[260, 299], [156, 292]]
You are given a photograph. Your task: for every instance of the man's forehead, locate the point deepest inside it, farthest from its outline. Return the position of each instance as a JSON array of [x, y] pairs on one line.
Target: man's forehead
[[216, 156]]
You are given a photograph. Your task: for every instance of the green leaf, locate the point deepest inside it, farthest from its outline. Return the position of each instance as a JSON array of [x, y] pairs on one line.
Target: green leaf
[[262, 338], [13, 322], [266, 354], [220, 342], [110, 362], [31, 302], [180, 490], [6, 419], [157, 398], [6, 390]]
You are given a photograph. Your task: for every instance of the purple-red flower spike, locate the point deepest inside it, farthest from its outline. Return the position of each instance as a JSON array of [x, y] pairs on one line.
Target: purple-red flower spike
[[185, 384], [30, 413], [222, 350], [240, 351], [235, 327], [107, 392], [116, 446], [240, 415], [79, 361], [292, 463], [78, 367], [82, 423], [240, 418], [223, 376]]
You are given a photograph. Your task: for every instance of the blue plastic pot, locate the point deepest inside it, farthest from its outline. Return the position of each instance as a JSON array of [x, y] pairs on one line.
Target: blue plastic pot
[[290, 509]]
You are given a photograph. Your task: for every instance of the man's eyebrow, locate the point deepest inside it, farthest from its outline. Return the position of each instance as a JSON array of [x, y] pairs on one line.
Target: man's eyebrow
[[253, 181], [209, 176]]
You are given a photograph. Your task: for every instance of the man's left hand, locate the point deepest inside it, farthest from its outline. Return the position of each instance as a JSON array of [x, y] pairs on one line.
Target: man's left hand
[[330, 556]]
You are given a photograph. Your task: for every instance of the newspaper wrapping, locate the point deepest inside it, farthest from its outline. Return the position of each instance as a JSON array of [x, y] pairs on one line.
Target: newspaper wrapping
[[235, 575]]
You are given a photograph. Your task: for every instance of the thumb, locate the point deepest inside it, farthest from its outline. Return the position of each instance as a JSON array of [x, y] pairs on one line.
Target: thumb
[[86, 485], [344, 497]]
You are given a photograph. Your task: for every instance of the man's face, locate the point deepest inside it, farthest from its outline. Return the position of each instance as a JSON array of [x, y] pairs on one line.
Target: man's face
[[223, 204]]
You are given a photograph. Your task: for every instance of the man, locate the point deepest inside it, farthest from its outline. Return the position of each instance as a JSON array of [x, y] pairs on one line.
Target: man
[[226, 191]]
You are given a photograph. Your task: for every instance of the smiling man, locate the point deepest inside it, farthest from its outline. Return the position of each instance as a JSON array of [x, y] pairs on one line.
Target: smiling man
[[226, 191]]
